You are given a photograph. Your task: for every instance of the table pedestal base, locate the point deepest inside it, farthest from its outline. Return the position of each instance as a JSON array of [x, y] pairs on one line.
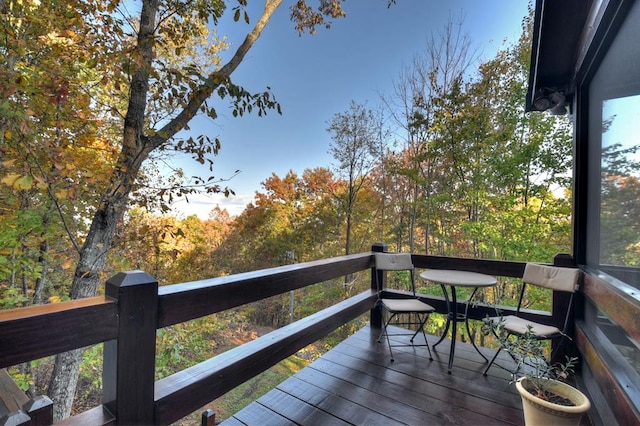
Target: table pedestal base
[[453, 317]]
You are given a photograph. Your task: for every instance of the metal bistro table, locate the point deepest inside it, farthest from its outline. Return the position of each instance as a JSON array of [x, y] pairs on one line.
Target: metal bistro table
[[453, 279]]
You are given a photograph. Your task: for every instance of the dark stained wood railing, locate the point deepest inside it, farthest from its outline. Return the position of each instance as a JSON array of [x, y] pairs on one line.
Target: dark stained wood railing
[[189, 389], [604, 366], [183, 302], [134, 307], [38, 331]]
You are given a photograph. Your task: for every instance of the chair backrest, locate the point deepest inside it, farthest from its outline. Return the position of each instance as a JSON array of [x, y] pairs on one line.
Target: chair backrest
[[395, 262], [553, 277]]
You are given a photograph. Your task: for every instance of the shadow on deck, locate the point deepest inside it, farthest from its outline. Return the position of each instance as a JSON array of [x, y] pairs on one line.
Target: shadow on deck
[[356, 383]]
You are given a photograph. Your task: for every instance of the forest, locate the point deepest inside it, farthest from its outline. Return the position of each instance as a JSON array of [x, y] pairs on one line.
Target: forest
[[449, 164]]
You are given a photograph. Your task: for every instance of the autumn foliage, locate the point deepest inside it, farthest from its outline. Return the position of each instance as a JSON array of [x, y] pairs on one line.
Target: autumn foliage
[[93, 95]]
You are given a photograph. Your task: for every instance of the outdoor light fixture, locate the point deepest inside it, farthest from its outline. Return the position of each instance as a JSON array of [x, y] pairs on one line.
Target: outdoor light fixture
[[542, 103], [550, 99], [560, 104]]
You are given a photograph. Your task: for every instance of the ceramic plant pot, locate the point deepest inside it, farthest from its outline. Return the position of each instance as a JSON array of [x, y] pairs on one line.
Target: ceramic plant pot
[[540, 412]]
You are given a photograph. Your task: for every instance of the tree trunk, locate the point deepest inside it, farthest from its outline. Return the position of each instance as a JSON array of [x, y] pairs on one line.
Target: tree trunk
[[136, 148], [42, 280], [85, 284], [93, 254], [64, 380]]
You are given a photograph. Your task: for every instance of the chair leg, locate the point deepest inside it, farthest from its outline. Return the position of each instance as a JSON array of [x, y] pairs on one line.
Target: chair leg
[[423, 321], [382, 332], [386, 334], [384, 325], [491, 362]]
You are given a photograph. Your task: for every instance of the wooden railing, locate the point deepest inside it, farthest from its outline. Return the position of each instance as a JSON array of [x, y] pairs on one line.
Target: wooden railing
[[610, 378], [134, 307]]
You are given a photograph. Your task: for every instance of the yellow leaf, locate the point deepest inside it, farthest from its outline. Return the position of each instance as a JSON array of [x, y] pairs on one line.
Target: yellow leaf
[[54, 299], [67, 264], [10, 179], [61, 194]]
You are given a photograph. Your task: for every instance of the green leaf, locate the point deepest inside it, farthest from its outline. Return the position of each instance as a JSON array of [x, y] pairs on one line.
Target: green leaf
[[24, 183]]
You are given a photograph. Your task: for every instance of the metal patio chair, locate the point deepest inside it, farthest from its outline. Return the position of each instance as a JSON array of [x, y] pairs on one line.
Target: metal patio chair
[[410, 311], [551, 277]]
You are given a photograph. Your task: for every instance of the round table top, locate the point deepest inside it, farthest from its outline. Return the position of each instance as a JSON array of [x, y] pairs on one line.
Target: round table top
[[458, 278]]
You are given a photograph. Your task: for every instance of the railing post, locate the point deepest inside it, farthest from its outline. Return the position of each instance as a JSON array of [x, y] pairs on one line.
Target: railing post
[[129, 361], [17, 418], [40, 410], [375, 317], [208, 418]]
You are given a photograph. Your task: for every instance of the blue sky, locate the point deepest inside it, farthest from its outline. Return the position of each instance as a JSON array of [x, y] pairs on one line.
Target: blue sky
[[316, 77]]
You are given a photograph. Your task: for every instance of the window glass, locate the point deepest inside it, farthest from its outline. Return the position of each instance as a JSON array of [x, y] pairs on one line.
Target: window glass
[[614, 145], [620, 183], [613, 214]]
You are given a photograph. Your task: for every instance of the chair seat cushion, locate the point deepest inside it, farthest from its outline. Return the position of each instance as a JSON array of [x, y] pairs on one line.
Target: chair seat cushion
[[406, 305], [517, 325]]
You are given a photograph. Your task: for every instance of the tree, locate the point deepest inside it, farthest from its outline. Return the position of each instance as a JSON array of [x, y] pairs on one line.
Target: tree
[[45, 133], [357, 136], [293, 214], [292, 220], [418, 100], [148, 65], [620, 245], [474, 169]]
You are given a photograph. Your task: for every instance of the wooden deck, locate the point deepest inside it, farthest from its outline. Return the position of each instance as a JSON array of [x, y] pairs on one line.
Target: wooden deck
[[356, 384]]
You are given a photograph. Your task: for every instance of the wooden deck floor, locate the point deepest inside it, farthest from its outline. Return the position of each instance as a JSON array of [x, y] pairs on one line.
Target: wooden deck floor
[[356, 383]]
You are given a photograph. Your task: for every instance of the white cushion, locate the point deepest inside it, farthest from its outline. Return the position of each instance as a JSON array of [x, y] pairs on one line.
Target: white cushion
[[562, 279], [517, 325], [406, 305]]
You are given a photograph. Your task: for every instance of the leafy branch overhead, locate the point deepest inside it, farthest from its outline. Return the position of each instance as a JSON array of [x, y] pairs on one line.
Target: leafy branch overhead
[[94, 89]]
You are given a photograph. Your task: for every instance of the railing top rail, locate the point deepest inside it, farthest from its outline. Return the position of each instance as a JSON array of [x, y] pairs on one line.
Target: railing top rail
[[16, 314], [493, 267], [186, 301], [38, 331], [262, 274]]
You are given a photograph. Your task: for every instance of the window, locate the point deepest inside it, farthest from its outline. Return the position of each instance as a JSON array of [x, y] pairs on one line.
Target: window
[[614, 145], [613, 214]]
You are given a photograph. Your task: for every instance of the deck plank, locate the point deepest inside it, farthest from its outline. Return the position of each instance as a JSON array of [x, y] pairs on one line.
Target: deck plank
[[466, 376], [370, 405], [491, 397], [256, 413], [315, 410], [392, 406], [356, 383], [402, 389]]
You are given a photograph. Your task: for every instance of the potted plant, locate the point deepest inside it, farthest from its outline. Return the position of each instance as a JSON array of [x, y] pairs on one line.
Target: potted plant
[[546, 398]]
